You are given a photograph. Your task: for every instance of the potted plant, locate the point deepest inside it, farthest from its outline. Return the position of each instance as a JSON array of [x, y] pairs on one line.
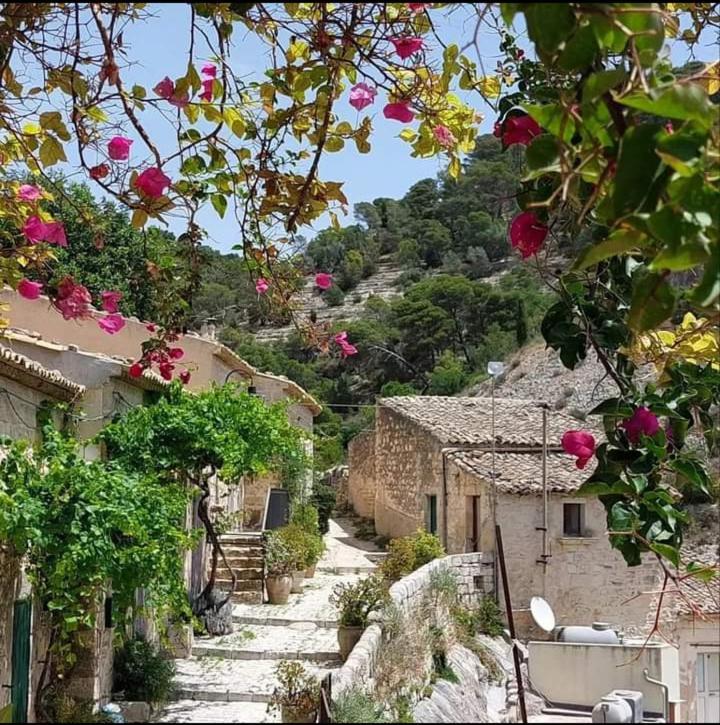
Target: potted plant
[[317, 549], [305, 515], [278, 568], [297, 695], [355, 602], [300, 543]]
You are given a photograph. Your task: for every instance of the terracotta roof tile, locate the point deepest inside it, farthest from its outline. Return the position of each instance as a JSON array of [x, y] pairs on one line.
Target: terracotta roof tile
[[521, 473], [467, 421], [51, 381]]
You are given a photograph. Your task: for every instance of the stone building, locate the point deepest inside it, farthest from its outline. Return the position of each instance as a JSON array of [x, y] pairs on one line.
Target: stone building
[[431, 465]]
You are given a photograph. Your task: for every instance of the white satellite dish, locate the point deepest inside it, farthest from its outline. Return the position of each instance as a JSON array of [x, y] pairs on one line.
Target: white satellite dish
[[542, 613], [495, 368]]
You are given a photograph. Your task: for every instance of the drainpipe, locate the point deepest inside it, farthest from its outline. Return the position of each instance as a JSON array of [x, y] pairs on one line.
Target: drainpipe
[[545, 556], [445, 499], [666, 693]]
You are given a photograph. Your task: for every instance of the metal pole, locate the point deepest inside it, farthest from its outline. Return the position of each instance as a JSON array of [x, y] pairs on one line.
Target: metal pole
[[494, 484], [511, 625], [545, 495]]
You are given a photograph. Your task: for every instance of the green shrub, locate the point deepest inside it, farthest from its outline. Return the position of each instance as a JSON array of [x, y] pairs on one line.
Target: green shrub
[[356, 601], [142, 672], [334, 297], [63, 708], [490, 618], [305, 549], [408, 553], [297, 690], [356, 705], [305, 515], [279, 559], [323, 498]]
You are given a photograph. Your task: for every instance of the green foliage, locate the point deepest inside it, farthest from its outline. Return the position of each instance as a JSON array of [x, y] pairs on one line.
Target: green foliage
[[448, 376], [356, 601], [486, 618], [279, 559], [323, 497], [408, 553], [357, 706], [334, 297], [64, 708], [305, 548], [305, 515], [143, 672], [81, 524], [297, 689]]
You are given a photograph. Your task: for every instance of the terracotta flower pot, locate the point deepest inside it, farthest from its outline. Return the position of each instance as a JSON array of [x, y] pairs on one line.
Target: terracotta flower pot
[[290, 714], [298, 577], [310, 571], [347, 638], [278, 588]]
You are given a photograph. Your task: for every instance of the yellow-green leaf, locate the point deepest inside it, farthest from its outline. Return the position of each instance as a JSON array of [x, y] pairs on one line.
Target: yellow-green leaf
[[51, 151], [139, 218]]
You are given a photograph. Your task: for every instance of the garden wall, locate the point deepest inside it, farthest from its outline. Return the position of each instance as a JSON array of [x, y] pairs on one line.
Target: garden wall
[[474, 574]]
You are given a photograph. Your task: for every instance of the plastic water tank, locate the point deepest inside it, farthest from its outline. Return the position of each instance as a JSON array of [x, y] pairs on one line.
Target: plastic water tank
[[634, 698], [612, 709], [599, 633]]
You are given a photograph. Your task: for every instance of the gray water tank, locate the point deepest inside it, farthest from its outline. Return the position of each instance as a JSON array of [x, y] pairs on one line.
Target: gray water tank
[[612, 709], [599, 633], [634, 698]]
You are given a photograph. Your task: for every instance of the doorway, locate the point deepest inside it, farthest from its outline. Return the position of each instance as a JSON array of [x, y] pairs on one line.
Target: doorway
[[708, 686], [472, 523]]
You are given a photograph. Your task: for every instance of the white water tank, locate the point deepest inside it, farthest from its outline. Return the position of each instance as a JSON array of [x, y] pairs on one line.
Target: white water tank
[[612, 709], [599, 633]]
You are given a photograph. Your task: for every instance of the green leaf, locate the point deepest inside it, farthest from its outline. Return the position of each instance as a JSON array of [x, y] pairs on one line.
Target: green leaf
[[549, 25], [619, 242], [599, 83], [708, 291], [580, 51], [219, 202], [637, 166], [692, 472], [686, 101], [542, 152], [680, 258], [553, 118], [667, 552], [51, 151], [653, 301], [614, 407], [621, 517]]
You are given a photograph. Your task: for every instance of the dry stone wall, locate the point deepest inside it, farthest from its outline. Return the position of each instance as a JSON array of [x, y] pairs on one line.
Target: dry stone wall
[[361, 474]]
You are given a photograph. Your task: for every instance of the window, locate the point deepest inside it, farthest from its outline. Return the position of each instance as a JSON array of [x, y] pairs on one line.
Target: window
[[431, 514], [573, 519]]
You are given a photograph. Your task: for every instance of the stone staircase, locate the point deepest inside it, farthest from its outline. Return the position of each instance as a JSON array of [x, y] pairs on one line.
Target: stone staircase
[[244, 552]]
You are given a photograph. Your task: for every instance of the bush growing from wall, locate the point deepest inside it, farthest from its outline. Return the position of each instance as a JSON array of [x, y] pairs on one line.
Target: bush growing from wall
[[408, 553]]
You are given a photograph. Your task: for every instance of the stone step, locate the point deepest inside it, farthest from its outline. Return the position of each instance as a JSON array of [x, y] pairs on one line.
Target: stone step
[[249, 598], [299, 641], [242, 539], [245, 562], [345, 570], [241, 585], [224, 575], [243, 552], [213, 680], [197, 711]]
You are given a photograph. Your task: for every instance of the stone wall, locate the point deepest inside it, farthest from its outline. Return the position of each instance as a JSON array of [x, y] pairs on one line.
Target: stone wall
[[408, 467], [361, 474], [474, 573], [18, 410], [584, 581]]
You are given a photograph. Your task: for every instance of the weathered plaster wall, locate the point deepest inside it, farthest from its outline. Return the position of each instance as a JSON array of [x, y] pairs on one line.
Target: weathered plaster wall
[[18, 417], [361, 481], [408, 466], [584, 581], [9, 592]]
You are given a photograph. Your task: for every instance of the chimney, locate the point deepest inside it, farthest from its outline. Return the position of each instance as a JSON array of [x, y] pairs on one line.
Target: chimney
[[208, 330]]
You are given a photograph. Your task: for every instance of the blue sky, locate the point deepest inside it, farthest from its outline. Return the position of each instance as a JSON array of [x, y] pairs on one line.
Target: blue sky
[[160, 47]]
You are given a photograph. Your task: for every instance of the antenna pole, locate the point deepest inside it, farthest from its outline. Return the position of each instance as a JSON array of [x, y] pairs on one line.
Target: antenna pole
[[511, 625]]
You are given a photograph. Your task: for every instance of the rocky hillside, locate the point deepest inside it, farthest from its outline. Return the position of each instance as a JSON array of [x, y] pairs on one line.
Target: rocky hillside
[[381, 284]]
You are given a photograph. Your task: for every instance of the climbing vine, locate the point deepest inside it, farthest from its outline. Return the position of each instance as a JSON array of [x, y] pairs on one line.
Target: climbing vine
[[188, 439], [81, 527]]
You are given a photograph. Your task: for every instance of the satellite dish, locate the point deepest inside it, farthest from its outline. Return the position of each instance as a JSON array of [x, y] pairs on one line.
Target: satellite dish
[[542, 613], [495, 368]]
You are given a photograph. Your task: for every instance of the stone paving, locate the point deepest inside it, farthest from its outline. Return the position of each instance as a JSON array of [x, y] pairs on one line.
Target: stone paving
[[229, 679]]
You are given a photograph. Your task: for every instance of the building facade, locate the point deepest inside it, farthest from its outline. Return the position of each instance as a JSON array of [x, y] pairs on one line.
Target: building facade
[[432, 466]]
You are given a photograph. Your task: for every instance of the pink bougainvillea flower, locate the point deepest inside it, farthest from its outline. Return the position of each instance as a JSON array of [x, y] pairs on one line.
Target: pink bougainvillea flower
[[346, 348], [166, 370], [111, 323], [55, 234], [28, 192], [136, 370], [399, 112], [209, 70], [184, 377], [34, 229], [323, 280], [165, 88], [518, 129], [179, 101], [262, 286], [99, 172], [579, 443], [152, 183], [362, 95], [407, 46], [110, 301], [418, 8], [527, 233], [29, 290], [119, 148], [207, 94], [642, 422], [150, 327], [176, 353], [444, 136], [73, 300]]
